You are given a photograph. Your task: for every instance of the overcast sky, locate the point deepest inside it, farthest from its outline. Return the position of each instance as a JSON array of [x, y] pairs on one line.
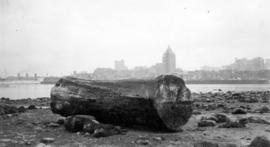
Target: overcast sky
[[59, 36]]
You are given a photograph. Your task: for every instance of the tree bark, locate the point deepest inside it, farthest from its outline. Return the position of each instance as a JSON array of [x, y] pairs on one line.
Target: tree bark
[[161, 103]]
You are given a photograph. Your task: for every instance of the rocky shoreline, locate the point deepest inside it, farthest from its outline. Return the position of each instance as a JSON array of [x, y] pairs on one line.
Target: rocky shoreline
[[223, 119]]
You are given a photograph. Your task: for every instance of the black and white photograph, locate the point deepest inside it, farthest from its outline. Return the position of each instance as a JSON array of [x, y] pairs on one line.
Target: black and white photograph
[[128, 73]]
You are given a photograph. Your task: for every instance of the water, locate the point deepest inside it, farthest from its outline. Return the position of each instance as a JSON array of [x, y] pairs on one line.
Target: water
[[228, 87], [34, 90], [25, 90]]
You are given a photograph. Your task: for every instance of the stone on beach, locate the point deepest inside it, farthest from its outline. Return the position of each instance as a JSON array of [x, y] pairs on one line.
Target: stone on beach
[[47, 140], [260, 141], [206, 123], [239, 111], [9, 109], [241, 123], [88, 124], [76, 123], [259, 120]]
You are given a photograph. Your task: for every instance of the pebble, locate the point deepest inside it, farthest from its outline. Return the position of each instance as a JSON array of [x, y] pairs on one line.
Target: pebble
[[53, 125], [206, 123], [143, 142], [47, 140], [158, 138], [239, 111]]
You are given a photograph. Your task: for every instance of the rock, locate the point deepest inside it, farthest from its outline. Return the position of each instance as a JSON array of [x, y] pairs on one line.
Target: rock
[[76, 123], [143, 142], [258, 120], [100, 133], [206, 123], [27, 142], [8, 109], [239, 111], [158, 138], [104, 130], [220, 118], [21, 109], [263, 109], [220, 105], [47, 140], [31, 107], [88, 124], [195, 112], [206, 144], [260, 141], [235, 124], [53, 125], [90, 127], [60, 121]]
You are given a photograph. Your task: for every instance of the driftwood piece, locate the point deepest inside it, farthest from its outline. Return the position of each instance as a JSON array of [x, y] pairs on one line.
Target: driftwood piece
[[161, 103]]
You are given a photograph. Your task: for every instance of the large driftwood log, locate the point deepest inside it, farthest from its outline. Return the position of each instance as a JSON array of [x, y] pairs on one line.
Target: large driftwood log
[[161, 103]]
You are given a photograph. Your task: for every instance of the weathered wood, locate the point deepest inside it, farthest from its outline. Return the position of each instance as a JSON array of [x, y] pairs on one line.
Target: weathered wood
[[162, 103]]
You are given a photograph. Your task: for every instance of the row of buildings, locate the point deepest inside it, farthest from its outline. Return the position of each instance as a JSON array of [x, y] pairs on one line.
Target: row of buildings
[[121, 71], [19, 77], [254, 64], [241, 69], [168, 64]]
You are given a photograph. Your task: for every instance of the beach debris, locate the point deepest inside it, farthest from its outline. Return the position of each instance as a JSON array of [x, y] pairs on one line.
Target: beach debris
[[163, 103]]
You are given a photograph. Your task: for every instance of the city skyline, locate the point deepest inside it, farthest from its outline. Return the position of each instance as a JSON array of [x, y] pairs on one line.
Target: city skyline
[[239, 64], [89, 34]]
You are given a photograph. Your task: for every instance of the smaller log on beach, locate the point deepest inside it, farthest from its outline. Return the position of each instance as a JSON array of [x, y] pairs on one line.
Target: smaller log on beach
[[160, 103]]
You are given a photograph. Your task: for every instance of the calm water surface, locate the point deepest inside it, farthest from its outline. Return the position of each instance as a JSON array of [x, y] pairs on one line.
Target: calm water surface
[[17, 91]]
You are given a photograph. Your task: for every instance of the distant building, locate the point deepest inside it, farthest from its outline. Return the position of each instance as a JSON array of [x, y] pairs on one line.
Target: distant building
[[157, 68], [18, 76], [26, 76], [168, 61], [267, 64], [74, 72], [120, 65], [244, 64]]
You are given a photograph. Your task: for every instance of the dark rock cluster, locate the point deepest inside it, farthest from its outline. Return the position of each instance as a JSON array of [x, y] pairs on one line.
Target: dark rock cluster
[[89, 125]]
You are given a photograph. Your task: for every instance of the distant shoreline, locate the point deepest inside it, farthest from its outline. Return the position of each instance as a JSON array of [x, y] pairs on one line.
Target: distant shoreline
[[227, 82], [53, 80]]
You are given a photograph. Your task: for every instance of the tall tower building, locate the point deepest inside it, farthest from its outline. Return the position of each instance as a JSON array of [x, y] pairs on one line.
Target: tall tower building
[[120, 65], [168, 61]]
